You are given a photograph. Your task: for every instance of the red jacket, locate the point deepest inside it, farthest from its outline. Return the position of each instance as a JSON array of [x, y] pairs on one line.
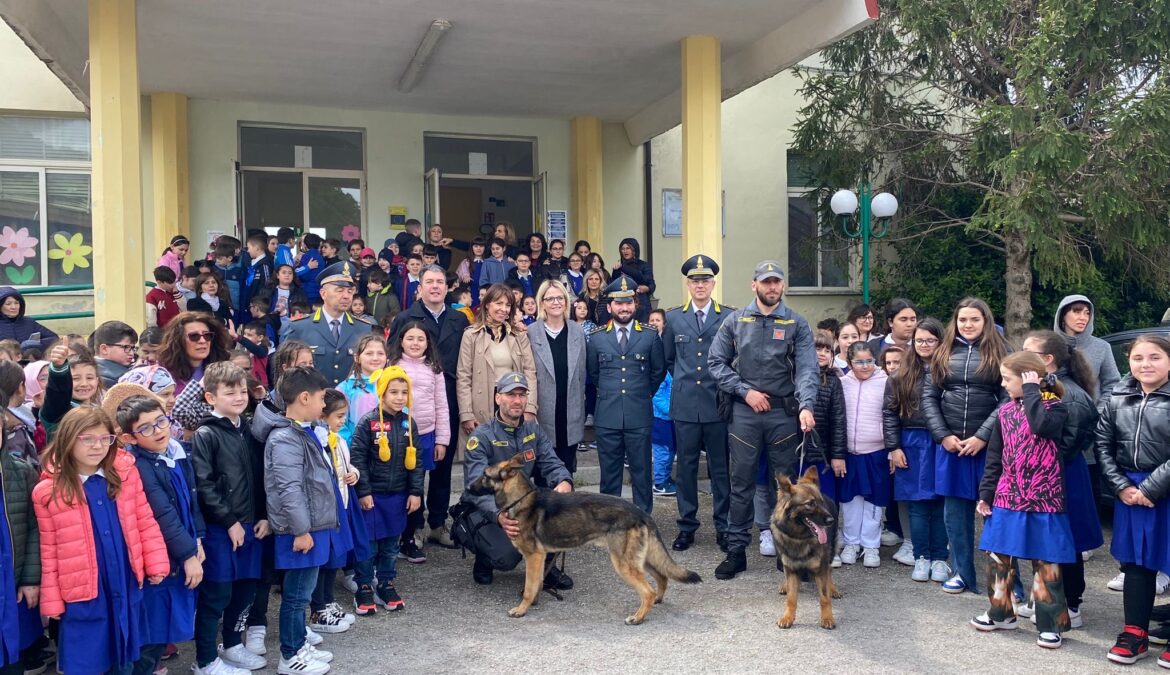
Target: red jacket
[[69, 570]]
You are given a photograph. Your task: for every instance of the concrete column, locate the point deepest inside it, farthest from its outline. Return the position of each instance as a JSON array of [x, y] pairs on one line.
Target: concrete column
[[702, 179], [172, 199], [585, 140], [116, 128]]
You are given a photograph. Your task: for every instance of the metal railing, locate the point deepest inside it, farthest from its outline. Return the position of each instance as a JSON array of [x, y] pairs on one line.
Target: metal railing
[[42, 290]]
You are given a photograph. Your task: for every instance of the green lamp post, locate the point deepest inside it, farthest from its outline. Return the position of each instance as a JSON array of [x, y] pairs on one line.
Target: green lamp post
[[881, 206]]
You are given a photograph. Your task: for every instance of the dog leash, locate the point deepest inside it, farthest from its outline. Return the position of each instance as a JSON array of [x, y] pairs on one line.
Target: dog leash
[[816, 439], [522, 497]]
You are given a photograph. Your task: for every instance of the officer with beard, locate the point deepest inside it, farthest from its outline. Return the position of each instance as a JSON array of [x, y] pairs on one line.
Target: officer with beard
[[764, 359]]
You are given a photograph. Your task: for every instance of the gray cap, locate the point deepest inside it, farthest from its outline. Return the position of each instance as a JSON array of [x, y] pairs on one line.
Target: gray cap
[[511, 381], [768, 269]]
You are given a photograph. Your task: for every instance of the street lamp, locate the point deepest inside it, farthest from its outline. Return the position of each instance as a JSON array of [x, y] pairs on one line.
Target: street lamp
[[881, 206]]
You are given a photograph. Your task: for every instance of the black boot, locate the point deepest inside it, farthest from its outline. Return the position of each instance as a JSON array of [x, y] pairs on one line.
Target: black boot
[[733, 564], [482, 572], [721, 541]]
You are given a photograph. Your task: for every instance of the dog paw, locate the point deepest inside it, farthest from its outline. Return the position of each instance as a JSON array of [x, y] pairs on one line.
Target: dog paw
[[785, 621], [517, 612], [828, 624], [836, 594], [783, 589], [658, 601], [632, 620]]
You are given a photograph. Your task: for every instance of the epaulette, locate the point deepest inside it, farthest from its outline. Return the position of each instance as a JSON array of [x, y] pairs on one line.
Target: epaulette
[[300, 318], [671, 309], [364, 320], [599, 329], [730, 307]]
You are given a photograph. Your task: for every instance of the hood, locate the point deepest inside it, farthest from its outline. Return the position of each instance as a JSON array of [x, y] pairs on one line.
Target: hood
[[267, 420], [634, 244], [1063, 307], [7, 292]]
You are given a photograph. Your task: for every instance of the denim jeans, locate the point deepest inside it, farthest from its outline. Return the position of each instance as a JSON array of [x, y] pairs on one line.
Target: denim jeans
[[385, 557], [959, 515], [226, 600], [928, 532], [298, 588], [662, 444]]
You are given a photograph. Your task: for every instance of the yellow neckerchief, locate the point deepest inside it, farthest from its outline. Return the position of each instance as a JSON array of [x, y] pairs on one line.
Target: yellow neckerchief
[[338, 466]]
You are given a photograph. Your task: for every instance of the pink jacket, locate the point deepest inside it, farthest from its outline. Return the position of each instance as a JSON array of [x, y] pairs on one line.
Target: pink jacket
[[430, 411], [69, 570], [863, 412], [169, 259]]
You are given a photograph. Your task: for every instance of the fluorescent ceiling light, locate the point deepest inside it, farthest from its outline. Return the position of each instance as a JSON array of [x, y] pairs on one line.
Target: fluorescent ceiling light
[[422, 55]]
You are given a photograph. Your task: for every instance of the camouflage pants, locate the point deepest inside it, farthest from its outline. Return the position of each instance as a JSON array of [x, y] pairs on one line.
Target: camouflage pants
[[1047, 593]]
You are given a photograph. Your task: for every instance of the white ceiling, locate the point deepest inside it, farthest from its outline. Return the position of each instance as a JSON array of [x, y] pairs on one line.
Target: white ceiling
[[557, 58]]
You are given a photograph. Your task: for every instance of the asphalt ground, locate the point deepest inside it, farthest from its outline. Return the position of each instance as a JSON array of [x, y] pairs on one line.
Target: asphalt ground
[[887, 623]]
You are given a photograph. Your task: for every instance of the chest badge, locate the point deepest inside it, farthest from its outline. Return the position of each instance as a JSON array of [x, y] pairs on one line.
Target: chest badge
[[529, 456], [777, 333]]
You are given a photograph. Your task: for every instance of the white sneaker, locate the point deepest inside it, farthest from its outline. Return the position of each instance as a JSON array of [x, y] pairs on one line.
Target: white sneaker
[[871, 558], [921, 570], [836, 561], [242, 657], [1117, 583], [1074, 616], [767, 546], [890, 539], [849, 553], [302, 664], [349, 584], [940, 571], [589, 420], [345, 616], [1162, 583], [254, 639], [218, 667], [326, 621], [312, 638], [1026, 610], [1086, 555], [318, 654], [905, 554]]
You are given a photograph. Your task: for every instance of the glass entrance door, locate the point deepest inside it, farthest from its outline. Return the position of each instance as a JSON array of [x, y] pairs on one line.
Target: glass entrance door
[[335, 207]]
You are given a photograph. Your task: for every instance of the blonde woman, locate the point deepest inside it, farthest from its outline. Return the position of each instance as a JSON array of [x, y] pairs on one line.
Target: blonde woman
[[558, 347]]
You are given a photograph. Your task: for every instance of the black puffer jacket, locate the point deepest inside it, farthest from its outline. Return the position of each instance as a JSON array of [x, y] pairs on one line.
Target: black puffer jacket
[[1080, 428], [377, 476], [229, 472], [893, 424], [963, 403], [829, 413], [1132, 435]]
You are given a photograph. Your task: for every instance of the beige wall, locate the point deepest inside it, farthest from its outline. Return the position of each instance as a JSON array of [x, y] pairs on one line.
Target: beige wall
[[27, 84], [756, 133]]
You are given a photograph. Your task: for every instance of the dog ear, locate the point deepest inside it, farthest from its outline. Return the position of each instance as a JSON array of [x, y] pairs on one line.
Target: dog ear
[[516, 461], [783, 482], [811, 475]]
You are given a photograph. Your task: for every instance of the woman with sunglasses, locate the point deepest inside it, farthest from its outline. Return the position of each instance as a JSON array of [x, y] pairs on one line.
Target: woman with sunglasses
[[191, 342]]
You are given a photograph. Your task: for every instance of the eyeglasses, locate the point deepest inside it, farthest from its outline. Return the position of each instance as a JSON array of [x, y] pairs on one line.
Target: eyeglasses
[[555, 300], [103, 441], [201, 337], [925, 342], [867, 317], [129, 349], [161, 424], [863, 363]]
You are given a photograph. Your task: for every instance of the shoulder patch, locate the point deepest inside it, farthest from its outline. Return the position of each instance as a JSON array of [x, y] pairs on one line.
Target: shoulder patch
[[473, 443], [671, 309], [599, 329]]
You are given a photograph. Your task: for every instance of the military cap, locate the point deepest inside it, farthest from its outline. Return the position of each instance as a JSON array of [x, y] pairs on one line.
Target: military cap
[[510, 381], [700, 266], [768, 269], [339, 273], [621, 289]]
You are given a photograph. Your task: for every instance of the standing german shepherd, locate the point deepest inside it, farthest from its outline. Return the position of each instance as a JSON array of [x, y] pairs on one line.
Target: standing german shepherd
[[552, 522], [803, 526]]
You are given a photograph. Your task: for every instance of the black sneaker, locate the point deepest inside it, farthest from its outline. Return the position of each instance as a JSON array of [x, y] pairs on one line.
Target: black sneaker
[[1131, 646], [482, 573], [1160, 634], [557, 579], [363, 601], [410, 552], [389, 598], [733, 564]]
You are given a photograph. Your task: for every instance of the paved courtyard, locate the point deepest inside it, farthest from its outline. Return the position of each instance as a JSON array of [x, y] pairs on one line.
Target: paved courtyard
[[886, 623]]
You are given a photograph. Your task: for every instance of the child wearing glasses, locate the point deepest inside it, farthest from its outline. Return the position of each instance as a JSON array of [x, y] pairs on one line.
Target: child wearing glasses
[[73, 382], [168, 481], [115, 346], [865, 471], [99, 544]]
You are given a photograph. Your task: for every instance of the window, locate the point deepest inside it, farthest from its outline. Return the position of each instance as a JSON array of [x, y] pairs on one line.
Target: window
[[490, 156], [816, 257], [46, 226], [287, 147]]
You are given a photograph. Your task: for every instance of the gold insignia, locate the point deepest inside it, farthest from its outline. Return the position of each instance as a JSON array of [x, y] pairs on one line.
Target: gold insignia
[[770, 268], [516, 379], [472, 443], [699, 265], [345, 268], [625, 287]]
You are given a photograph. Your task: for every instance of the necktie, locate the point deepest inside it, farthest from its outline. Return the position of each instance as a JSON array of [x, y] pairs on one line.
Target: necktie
[[623, 340], [335, 328], [699, 317]]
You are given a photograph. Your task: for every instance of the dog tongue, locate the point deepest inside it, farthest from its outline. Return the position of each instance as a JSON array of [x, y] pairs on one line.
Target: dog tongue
[[822, 536]]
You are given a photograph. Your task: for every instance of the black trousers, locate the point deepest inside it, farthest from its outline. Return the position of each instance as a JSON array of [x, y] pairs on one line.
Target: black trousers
[[690, 439], [615, 446], [437, 499], [1138, 594], [750, 433]]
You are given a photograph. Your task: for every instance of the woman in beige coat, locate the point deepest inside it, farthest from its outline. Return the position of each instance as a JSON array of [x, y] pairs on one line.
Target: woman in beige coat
[[491, 348]]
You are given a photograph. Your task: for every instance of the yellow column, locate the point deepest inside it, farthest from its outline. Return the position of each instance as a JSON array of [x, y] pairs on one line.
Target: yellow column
[[115, 127], [172, 214], [702, 179], [585, 134]]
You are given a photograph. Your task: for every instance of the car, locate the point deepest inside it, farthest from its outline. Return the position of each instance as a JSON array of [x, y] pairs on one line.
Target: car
[[1120, 342]]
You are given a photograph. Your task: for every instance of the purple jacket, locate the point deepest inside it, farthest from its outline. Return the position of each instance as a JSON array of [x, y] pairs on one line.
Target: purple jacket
[[22, 327], [1024, 469]]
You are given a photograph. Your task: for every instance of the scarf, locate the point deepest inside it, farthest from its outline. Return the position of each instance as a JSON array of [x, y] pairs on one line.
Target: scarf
[[211, 300]]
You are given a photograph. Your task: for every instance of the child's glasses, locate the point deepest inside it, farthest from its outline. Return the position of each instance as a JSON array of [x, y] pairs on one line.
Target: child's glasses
[[103, 441], [160, 424]]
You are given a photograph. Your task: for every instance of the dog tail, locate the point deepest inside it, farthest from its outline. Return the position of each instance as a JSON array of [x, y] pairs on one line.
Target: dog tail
[[658, 558]]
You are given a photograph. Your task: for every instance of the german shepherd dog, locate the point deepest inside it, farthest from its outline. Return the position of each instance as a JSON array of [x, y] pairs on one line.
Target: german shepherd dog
[[552, 522], [804, 528]]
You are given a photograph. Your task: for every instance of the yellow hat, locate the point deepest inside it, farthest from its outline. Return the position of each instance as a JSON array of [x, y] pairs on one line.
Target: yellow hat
[[382, 379]]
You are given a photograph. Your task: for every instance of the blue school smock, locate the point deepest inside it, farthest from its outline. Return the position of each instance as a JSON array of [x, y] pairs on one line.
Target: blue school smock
[[916, 482], [1080, 502], [1141, 535], [170, 605], [1030, 535], [357, 525], [866, 476], [106, 632], [10, 624], [388, 517], [956, 476]]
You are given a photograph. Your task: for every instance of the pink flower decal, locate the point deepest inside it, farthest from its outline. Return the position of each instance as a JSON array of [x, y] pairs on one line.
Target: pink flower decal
[[351, 232], [16, 245]]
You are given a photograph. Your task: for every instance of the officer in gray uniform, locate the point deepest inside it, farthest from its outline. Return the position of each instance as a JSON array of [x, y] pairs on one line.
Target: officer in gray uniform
[[505, 436], [625, 360], [764, 358], [331, 331], [686, 341]]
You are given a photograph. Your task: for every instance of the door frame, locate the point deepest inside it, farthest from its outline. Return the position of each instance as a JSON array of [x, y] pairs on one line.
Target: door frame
[[307, 174]]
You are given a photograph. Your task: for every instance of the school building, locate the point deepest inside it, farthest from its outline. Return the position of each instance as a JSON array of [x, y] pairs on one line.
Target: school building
[[123, 123]]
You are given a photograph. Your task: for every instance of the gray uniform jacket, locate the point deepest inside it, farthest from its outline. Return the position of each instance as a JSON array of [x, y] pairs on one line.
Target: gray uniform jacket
[[758, 351], [334, 358], [298, 479], [546, 399], [493, 442], [625, 382], [692, 396]]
